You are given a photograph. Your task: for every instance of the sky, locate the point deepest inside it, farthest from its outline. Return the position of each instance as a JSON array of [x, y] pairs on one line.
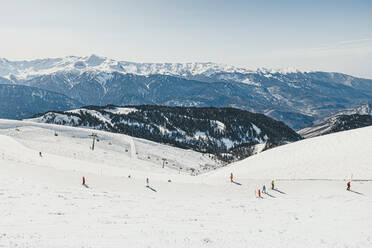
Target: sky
[[308, 35]]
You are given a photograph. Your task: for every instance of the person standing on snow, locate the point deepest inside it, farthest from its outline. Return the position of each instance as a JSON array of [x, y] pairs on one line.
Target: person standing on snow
[[272, 184], [231, 177], [147, 182], [348, 185], [264, 189], [259, 193], [83, 180]]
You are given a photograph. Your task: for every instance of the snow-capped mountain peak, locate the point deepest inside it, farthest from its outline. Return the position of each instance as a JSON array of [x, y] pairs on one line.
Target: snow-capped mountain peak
[[284, 71], [29, 68], [26, 69]]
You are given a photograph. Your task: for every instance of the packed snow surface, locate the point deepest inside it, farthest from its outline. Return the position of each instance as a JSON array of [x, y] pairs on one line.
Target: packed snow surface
[[44, 204]]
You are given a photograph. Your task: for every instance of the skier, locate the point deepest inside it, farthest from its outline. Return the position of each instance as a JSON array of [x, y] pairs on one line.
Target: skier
[[272, 184], [264, 189], [40, 155], [147, 182], [348, 185], [231, 177], [259, 193], [83, 180]]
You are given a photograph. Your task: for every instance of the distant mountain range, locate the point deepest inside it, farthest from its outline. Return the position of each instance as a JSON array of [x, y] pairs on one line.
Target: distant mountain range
[[230, 134], [342, 121], [295, 97], [18, 101]]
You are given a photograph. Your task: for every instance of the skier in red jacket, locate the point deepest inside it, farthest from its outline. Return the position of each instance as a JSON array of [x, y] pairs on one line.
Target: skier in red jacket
[[231, 177], [348, 185], [83, 180]]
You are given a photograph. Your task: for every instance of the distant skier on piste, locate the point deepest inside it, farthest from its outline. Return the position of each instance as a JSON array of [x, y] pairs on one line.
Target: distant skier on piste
[[147, 182], [264, 189], [348, 185], [231, 177], [272, 184], [83, 180]]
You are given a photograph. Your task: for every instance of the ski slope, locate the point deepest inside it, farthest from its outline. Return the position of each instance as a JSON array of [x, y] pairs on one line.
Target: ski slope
[[43, 204], [339, 156], [113, 150]]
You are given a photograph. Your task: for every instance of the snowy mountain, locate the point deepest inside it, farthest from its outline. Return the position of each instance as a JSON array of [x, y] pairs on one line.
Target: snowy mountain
[[27, 69], [295, 97], [230, 134], [44, 204], [345, 120]]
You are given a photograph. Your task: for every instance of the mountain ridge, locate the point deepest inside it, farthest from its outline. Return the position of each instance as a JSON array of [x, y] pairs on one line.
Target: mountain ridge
[[297, 98], [23, 68]]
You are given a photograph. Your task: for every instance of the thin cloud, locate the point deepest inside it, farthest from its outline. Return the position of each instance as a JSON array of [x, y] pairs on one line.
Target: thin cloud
[[356, 41], [348, 45]]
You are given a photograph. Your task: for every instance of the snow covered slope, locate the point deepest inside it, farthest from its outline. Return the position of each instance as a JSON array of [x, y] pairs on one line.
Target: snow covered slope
[[337, 156], [112, 151], [230, 134], [43, 204]]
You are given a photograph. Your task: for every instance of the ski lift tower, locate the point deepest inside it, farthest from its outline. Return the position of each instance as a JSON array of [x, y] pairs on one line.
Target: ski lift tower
[[94, 136]]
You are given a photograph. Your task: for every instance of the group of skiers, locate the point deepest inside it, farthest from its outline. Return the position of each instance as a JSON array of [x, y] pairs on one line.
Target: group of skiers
[[264, 191], [348, 185]]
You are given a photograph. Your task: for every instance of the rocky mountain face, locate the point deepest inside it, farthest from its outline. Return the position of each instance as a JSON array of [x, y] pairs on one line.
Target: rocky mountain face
[[365, 109], [17, 101], [342, 121], [230, 134], [294, 97]]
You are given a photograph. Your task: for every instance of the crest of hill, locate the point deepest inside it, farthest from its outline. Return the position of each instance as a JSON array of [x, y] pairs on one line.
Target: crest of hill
[[339, 156]]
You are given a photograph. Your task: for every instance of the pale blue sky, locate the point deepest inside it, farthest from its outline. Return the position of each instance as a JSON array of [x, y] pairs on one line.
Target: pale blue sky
[[321, 35]]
